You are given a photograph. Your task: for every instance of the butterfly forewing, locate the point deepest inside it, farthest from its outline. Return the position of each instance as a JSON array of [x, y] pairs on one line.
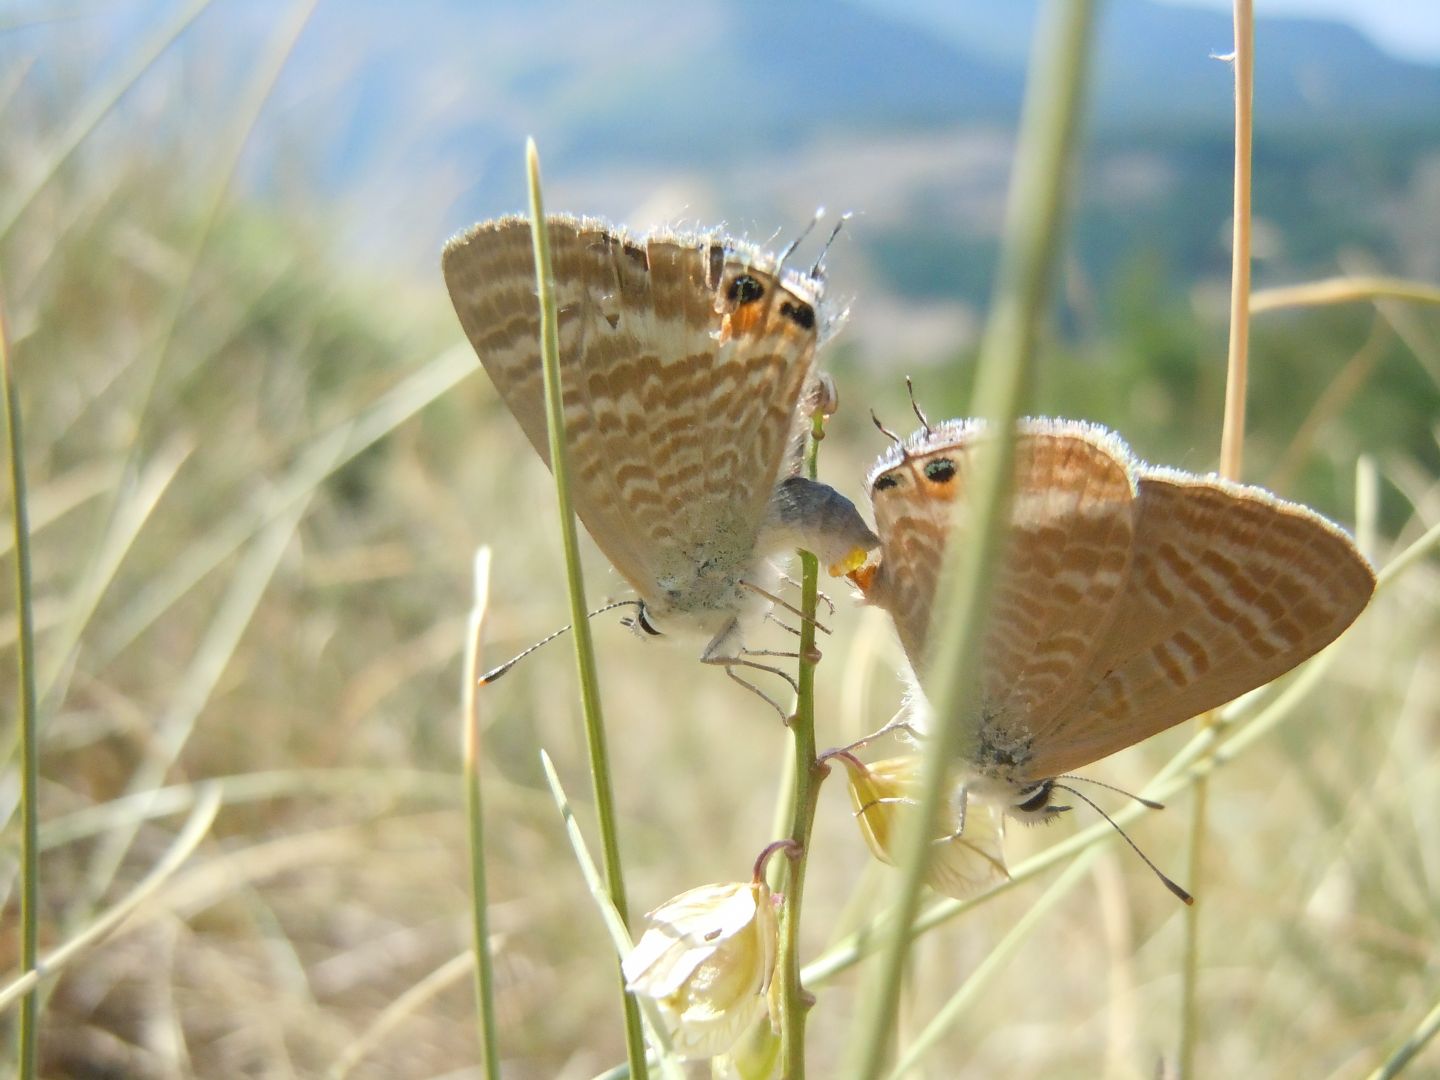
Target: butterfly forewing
[[1230, 588], [680, 386], [1065, 559]]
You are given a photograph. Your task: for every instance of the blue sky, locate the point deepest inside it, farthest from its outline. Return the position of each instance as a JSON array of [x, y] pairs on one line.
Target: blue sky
[[1408, 28]]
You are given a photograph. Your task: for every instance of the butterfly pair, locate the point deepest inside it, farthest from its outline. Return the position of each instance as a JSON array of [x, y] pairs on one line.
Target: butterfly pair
[[1129, 599]]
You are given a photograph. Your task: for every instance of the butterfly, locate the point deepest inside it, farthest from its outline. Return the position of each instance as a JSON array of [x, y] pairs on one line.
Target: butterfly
[[687, 365], [1129, 598]]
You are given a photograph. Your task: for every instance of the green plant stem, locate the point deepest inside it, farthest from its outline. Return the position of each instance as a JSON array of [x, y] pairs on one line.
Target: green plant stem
[[579, 624], [1032, 227], [475, 822], [805, 794], [1232, 448], [29, 736]]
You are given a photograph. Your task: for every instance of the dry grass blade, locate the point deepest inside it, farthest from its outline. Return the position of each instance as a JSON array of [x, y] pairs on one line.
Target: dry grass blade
[[404, 1006], [92, 112], [237, 790], [113, 918], [136, 504], [315, 464], [1232, 450], [1343, 290], [212, 656], [60, 496]]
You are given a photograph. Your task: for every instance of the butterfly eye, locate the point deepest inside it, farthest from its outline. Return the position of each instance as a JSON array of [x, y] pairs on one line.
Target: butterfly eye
[[941, 470], [884, 483], [745, 290]]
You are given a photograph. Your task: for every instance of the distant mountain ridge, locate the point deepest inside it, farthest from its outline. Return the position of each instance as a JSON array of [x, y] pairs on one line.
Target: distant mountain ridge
[[750, 114], [755, 73], [699, 84], [1308, 71]]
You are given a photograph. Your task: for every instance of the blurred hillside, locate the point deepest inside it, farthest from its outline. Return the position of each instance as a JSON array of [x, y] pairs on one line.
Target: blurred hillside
[[752, 115]]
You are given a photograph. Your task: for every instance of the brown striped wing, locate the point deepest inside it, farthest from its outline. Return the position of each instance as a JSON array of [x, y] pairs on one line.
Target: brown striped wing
[[1230, 588], [680, 387], [1066, 559]]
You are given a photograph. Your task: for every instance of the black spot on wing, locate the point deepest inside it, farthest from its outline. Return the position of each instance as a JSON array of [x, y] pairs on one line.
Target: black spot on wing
[[745, 289], [801, 314], [941, 470]]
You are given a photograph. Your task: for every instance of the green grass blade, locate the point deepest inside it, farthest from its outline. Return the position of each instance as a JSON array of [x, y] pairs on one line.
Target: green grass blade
[[475, 821], [614, 925], [579, 623], [27, 708], [1007, 358]]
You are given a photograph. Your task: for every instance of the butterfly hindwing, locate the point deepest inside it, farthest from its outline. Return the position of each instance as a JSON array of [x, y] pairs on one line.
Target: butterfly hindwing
[[1231, 587]]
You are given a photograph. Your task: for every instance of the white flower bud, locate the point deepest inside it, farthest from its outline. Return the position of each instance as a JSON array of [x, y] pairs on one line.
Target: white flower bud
[[707, 959]]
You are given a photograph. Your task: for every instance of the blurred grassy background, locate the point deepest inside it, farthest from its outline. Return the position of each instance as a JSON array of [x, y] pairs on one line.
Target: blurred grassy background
[[261, 458]]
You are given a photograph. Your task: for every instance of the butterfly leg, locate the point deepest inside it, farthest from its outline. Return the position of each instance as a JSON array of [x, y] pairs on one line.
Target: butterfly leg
[[784, 714], [768, 595], [962, 801], [898, 722], [725, 650], [822, 597], [770, 616]]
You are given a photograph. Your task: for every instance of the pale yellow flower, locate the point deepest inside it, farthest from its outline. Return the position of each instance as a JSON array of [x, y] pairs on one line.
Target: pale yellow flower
[[756, 1056], [883, 794], [707, 958]]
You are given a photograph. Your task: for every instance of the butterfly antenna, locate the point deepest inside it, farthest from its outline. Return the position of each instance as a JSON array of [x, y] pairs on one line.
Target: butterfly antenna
[[887, 432], [1171, 885], [910, 386], [495, 673], [815, 270], [785, 255], [1150, 803]]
